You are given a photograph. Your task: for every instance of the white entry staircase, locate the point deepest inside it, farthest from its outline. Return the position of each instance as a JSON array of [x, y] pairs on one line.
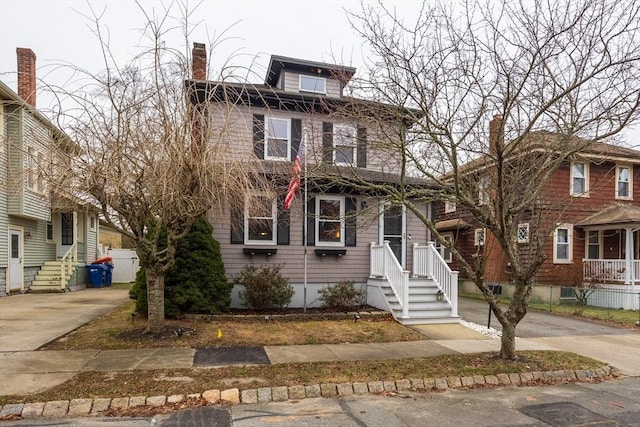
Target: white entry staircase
[[429, 296], [55, 276]]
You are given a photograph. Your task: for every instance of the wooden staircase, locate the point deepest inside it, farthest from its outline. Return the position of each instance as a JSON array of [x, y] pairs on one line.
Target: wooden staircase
[[424, 307], [50, 278], [430, 296]]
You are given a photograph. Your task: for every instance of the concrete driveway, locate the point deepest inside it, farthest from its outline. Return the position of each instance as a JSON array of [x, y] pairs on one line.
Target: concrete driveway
[[29, 321]]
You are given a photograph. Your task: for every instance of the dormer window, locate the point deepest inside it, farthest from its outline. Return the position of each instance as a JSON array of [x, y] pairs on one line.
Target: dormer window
[[313, 84]]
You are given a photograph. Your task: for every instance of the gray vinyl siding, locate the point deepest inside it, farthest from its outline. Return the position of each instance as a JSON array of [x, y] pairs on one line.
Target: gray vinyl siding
[[4, 175], [91, 240], [36, 249], [292, 84], [24, 132]]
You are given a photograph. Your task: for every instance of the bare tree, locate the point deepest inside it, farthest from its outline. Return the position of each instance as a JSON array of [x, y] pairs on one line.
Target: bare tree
[[557, 76], [145, 155]]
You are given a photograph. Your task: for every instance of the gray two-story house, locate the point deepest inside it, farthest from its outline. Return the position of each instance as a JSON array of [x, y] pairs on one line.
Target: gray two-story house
[[332, 231]]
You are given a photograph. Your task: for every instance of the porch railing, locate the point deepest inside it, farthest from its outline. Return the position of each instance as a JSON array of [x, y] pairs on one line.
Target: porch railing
[[385, 264], [68, 264], [610, 270], [427, 262]]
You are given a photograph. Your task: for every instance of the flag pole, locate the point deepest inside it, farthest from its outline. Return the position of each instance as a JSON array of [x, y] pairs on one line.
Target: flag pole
[[305, 232]]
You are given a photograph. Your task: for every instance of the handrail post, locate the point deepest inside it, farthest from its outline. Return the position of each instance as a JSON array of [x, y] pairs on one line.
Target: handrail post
[[430, 259], [371, 258], [454, 294], [405, 294]]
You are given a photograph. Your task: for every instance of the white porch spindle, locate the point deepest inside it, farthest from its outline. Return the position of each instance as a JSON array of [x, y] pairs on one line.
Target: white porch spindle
[[628, 276]]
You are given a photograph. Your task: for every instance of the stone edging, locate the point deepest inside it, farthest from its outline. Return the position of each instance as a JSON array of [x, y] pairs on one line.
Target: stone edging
[[95, 407]]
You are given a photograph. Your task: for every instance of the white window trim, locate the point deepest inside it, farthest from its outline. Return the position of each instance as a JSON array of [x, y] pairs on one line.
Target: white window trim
[[303, 76], [523, 225], [479, 236], [569, 228], [449, 206], [342, 221], [586, 180], [266, 138], [31, 171], [274, 223], [53, 232], [353, 144], [94, 220], [441, 248], [630, 196]]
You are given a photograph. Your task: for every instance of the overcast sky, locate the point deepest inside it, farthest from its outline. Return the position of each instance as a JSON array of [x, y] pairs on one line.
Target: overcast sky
[[57, 32]]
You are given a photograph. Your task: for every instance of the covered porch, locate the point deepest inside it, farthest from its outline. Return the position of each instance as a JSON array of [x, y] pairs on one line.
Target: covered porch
[[612, 240]]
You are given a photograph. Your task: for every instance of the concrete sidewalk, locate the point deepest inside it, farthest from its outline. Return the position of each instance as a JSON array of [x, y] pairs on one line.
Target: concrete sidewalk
[[29, 321]]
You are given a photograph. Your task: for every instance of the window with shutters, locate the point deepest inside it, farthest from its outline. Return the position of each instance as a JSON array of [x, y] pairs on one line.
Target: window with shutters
[[277, 138], [330, 221], [345, 144], [260, 219]]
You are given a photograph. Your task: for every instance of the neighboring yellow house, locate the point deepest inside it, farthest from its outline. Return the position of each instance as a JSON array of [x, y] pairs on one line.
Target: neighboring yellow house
[[109, 238]]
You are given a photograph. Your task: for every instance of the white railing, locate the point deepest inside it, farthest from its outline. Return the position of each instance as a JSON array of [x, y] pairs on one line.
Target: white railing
[[605, 270], [385, 264], [68, 264], [427, 262]]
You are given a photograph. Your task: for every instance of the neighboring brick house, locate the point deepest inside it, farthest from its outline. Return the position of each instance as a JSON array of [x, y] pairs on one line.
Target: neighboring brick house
[[594, 219], [41, 241], [265, 123]]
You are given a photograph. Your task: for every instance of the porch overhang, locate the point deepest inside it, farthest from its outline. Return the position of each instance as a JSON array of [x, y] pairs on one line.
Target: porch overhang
[[451, 224], [617, 215]]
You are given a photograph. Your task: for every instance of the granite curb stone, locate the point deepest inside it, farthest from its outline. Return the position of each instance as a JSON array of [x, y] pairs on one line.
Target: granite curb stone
[[86, 407]]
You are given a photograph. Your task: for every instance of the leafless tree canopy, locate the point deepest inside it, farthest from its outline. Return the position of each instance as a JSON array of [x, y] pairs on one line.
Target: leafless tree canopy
[[561, 75], [145, 156]]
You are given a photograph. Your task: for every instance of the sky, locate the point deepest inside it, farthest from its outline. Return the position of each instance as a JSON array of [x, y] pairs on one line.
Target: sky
[[59, 32]]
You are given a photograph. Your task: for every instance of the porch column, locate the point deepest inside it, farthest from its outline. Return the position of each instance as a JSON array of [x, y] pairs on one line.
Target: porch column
[[628, 256]]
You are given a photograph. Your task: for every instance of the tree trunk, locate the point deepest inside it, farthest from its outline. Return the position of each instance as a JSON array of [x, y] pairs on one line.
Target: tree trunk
[[155, 302], [508, 341]]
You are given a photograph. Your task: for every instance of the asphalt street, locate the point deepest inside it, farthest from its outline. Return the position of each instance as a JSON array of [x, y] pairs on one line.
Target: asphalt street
[[611, 403]]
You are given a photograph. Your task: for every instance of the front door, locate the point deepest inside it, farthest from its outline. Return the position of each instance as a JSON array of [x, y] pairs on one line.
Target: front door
[[15, 272], [394, 231]]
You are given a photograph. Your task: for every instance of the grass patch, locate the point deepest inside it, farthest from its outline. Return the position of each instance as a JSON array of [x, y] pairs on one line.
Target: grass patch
[[118, 330], [96, 384]]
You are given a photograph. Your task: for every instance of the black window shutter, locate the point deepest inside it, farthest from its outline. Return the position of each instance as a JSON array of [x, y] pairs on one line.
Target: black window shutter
[[311, 222], [350, 221], [296, 137], [237, 223], [283, 223], [327, 142], [258, 135], [362, 147]]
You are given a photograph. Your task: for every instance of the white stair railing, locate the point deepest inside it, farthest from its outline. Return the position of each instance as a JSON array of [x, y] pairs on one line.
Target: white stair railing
[[385, 264], [427, 262], [68, 264]]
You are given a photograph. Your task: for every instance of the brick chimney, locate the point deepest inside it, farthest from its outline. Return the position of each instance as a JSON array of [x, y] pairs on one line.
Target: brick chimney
[[496, 134], [199, 61], [27, 75]]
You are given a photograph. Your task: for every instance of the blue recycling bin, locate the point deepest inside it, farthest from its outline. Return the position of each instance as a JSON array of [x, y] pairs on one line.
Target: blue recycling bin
[[108, 274], [97, 274]]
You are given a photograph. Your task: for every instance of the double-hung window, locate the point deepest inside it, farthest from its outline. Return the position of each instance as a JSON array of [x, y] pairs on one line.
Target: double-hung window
[[483, 190], [277, 136], [330, 225], [345, 144], [479, 237], [449, 206], [313, 84], [623, 182], [563, 244], [260, 219], [579, 179]]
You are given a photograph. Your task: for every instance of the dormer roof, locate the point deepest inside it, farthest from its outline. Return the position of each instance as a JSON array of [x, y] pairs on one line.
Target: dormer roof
[[322, 69]]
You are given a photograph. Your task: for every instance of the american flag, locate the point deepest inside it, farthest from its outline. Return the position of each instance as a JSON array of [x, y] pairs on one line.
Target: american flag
[[296, 172]]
